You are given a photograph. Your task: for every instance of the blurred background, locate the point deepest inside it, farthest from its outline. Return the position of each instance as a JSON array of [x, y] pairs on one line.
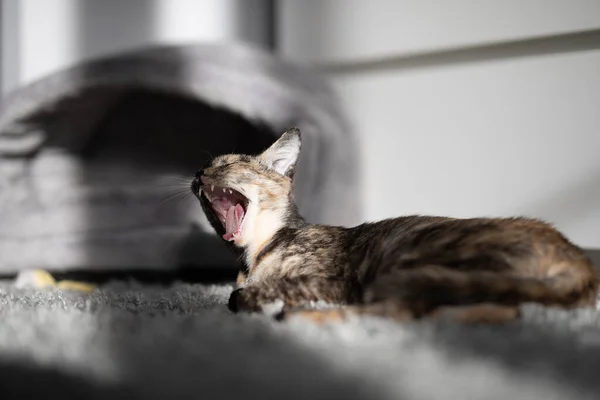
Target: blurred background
[[478, 108]]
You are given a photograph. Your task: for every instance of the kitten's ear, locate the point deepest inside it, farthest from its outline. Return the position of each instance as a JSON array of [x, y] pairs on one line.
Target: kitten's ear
[[282, 156]]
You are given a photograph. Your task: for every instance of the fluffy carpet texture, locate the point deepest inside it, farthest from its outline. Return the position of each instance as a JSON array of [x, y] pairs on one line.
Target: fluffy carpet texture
[[131, 340]]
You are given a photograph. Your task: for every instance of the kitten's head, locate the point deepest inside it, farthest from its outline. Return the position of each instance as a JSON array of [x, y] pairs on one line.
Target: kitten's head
[[248, 198]]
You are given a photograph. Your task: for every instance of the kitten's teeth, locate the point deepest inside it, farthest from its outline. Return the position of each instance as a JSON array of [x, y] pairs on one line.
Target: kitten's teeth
[[230, 192], [224, 190], [212, 187]]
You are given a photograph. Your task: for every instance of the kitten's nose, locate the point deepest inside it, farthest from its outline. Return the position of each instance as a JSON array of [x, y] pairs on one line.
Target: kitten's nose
[[199, 173]]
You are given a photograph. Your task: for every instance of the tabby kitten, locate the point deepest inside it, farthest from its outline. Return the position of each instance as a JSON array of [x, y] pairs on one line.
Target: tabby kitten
[[476, 269]]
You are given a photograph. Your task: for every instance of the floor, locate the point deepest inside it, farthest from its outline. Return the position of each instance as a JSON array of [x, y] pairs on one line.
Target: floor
[[139, 340]]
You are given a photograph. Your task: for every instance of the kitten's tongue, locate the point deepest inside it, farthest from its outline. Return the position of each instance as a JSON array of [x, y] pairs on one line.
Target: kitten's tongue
[[235, 214]]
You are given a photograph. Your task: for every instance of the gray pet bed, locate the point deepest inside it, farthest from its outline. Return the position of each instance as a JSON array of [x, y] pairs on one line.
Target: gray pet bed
[[89, 154]]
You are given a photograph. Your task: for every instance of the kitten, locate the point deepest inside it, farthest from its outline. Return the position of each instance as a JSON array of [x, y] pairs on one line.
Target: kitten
[[476, 269]]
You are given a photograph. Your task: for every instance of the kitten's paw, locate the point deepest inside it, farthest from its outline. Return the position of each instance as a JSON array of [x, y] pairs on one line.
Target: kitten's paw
[[243, 299], [250, 299], [232, 303]]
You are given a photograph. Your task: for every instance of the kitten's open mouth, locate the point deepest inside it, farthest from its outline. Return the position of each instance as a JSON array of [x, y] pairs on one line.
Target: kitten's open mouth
[[229, 206]]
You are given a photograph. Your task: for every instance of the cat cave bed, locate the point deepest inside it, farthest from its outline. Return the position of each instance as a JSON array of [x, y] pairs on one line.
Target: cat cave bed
[[90, 155]]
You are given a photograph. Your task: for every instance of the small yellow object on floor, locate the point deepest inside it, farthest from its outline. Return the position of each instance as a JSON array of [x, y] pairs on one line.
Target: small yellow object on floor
[[34, 278], [39, 279], [76, 286]]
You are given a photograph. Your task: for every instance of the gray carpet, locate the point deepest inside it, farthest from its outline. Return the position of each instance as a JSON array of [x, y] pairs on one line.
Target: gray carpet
[[129, 340]]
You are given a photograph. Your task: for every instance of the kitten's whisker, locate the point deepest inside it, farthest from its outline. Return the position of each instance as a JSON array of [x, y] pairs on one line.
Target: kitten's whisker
[[180, 181], [171, 197], [175, 178], [176, 190], [183, 198], [176, 186], [208, 152]]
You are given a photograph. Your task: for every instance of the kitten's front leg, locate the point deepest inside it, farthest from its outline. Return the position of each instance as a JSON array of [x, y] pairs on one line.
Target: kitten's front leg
[[291, 293]]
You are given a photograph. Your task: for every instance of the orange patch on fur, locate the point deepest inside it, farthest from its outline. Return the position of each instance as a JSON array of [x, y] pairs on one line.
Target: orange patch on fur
[[478, 313], [318, 317]]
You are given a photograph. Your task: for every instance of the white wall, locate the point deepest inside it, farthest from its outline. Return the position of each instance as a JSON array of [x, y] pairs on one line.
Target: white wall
[[479, 132], [324, 31], [43, 36]]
